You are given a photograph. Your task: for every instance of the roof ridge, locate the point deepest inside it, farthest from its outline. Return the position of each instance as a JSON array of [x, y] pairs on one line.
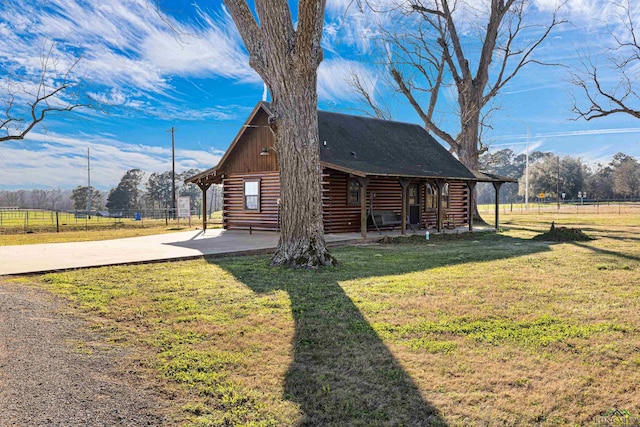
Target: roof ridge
[[372, 118], [267, 105]]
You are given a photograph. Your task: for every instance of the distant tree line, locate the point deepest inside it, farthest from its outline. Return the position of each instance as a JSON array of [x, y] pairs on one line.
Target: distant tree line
[[617, 180], [50, 199], [133, 193]]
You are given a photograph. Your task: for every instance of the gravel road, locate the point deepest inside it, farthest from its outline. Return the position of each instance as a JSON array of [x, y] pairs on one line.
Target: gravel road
[[49, 376]]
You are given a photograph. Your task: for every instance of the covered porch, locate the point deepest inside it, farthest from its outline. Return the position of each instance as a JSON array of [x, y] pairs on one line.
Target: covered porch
[[204, 181], [426, 204]]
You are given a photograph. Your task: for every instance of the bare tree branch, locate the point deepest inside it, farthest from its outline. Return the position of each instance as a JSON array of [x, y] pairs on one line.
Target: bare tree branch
[[380, 112], [525, 54], [601, 99], [249, 31], [429, 125], [47, 98]]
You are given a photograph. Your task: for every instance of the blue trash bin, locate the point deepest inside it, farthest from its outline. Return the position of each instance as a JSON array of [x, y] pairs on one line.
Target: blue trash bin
[[137, 216]]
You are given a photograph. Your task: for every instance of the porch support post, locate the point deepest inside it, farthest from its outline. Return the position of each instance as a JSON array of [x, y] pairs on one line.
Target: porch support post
[[404, 183], [204, 187], [471, 185], [497, 186], [364, 182], [439, 184]]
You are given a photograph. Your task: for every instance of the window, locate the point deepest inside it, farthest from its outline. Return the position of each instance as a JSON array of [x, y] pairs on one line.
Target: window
[[445, 195], [353, 192], [431, 198], [414, 194], [252, 195]]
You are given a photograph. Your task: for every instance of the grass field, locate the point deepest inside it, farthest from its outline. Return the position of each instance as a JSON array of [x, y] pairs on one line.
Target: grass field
[[22, 228], [482, 329]]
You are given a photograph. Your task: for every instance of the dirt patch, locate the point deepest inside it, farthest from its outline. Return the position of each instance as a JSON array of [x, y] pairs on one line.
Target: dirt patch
[[54, 372]]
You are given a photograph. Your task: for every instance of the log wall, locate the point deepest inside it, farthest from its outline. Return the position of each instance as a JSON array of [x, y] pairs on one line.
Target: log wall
[[234, 216], [338, 215]]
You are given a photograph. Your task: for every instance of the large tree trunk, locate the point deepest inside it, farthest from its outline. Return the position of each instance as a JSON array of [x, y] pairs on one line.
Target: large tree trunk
[[295, 127], [467, 147], [287, 59]]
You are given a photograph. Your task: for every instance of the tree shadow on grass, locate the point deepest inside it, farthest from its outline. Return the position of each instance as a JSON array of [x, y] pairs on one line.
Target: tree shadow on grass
[[342, 372], [601, 251]]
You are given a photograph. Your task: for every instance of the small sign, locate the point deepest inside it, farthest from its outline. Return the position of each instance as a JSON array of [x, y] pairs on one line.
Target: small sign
[[184, 207], [541, 195]]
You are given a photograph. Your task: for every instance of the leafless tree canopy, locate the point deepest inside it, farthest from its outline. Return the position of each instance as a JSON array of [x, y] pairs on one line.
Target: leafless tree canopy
[[433, 53], [28, 103], [601, 97]]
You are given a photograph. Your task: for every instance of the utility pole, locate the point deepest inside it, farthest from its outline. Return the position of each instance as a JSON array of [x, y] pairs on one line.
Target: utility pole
[[88, 183], [173, 171]]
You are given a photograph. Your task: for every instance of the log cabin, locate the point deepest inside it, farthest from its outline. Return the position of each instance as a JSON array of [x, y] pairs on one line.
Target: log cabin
[[376, 174]]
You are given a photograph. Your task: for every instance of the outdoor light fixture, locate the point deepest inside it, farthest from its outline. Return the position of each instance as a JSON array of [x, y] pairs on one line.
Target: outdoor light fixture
[[265, 151]]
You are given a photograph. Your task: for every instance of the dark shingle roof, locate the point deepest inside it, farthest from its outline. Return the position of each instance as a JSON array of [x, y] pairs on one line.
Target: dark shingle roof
[[383, 147], [368, 146], [492, 177]]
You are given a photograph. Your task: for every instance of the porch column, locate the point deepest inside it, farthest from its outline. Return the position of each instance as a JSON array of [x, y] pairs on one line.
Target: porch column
[[439, 184], [497, 186], [471, 185], [204, 187], [364, 182], [404, 183]]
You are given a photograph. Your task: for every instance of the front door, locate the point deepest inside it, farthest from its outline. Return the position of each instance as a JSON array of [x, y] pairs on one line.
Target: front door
[[414, 203]]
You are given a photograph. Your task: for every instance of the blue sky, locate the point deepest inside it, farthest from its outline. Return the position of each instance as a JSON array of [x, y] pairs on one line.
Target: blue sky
[[187, 68]]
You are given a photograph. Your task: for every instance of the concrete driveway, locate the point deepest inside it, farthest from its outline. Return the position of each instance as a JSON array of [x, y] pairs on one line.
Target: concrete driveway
[[161, 247]]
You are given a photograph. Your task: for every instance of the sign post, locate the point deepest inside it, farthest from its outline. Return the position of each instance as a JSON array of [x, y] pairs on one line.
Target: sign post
[[184, 208]]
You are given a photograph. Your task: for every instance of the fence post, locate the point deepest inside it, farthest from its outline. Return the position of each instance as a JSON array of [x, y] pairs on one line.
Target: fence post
[[57, 223]]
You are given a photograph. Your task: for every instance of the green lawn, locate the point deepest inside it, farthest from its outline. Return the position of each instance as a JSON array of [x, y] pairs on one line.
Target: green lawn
[[479, 329]]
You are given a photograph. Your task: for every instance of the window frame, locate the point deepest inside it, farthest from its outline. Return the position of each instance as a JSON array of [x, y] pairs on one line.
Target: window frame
[[245, 195], [417, 196], [430, 197], [350, 182], [446, 190]]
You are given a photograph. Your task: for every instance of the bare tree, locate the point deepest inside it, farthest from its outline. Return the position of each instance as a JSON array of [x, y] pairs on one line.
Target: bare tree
[[604, 96], [26, 104], [287, 58], [429, 57]]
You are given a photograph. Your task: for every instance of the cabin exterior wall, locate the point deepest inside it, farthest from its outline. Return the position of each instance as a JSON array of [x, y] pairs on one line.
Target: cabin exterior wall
[[384, 193], [234, 214]]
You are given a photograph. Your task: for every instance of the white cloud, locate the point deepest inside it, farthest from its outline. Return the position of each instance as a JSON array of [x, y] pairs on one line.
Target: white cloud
[[122, 43], [49, 160], [355, 25], [334, 76]]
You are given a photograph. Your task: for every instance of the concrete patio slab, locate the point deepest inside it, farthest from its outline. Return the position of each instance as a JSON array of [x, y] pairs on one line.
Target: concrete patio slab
[[49, 257]]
